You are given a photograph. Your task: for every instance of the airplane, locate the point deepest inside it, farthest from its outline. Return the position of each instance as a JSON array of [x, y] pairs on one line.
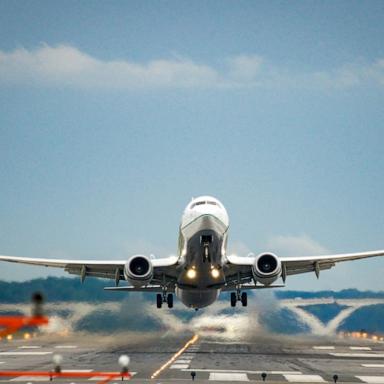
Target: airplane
[[202, 268]]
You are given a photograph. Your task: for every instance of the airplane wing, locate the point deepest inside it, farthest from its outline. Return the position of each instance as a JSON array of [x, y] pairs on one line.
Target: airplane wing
[[295, 265], [111, 269]]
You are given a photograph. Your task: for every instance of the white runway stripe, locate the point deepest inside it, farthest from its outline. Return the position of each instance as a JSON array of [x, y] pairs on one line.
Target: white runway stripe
[[304, 378], [325, 347], [179, 366], [368, 355], [186, 361], [66, 346], [77, 370], [373, 365], [30, 378], [188, 355], [13, 353], [360, 348], [30, 347], [220, 376], [372, 379], [243, 371]]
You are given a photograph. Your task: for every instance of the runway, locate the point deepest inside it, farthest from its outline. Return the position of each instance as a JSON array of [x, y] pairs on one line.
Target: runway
[[212, 358]]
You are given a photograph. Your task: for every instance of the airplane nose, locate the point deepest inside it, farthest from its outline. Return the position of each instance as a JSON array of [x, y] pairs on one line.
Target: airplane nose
[[207, 220]]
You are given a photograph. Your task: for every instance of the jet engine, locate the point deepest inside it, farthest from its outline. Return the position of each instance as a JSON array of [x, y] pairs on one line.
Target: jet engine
[[138, 270], [266, 269]]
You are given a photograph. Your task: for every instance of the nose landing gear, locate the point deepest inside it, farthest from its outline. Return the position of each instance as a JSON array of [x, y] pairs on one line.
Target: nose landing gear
[[206, 240], [236, 296], [164, 298]]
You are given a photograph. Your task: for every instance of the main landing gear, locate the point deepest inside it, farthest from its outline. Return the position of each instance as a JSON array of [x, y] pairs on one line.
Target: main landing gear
[[164, 298], [236, 296]]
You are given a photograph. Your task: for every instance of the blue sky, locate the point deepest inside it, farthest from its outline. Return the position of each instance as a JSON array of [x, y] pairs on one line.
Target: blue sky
[[114, 114]]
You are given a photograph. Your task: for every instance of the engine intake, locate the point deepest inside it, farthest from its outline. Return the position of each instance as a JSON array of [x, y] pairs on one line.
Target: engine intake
[[267, 268], [138, 270]]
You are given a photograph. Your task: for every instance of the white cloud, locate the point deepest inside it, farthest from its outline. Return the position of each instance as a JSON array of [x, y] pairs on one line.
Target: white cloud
[[301, 245], [67, 66], [238, 248], [245, 69]]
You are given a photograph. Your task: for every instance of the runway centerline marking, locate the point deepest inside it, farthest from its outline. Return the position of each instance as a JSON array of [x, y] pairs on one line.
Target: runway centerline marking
[[372, 379], [220, 376], [175, 356], [304, 378]]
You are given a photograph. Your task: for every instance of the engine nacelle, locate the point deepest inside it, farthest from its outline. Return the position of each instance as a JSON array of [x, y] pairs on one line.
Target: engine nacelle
[[267, 268], [138, 270]]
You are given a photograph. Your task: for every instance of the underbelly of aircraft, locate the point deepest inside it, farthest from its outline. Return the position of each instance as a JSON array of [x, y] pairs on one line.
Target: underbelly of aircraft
[[204, 257], [196, 298]]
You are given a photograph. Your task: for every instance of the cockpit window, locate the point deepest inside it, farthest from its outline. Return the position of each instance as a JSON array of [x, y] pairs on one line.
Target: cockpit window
[[204, 202], [197, 203]]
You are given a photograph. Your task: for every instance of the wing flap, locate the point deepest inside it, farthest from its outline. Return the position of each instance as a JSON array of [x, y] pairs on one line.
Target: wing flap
[[93, 272], [149, 288], [251, 287], [307, 267]]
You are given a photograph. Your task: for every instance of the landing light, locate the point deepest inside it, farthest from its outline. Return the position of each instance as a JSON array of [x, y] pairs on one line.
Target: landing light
[[191, 273], [215, 273]]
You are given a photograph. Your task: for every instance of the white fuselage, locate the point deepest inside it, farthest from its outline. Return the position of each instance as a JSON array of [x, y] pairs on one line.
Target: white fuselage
[[202, 248]]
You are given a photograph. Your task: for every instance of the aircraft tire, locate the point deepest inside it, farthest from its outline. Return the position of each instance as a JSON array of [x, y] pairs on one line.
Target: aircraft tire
[[159, 300], [233, 299], [170, 300], [244, 299]]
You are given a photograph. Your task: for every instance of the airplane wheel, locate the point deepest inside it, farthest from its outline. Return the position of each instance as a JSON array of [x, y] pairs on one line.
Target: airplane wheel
[[233, 299], [170, 300], [159, 300], [244, 299]]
